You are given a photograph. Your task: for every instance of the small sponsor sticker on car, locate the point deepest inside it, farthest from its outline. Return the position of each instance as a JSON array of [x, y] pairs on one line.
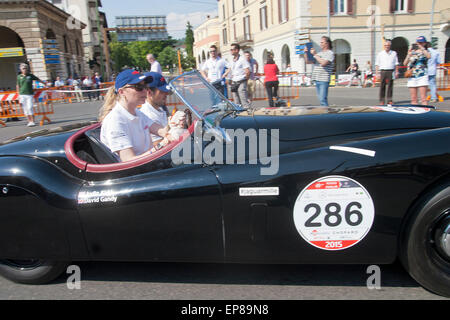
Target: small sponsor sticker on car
[[255, 192]]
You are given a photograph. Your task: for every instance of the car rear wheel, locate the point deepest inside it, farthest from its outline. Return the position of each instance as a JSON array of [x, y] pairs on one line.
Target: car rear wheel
[[31, 271], [425, 245]]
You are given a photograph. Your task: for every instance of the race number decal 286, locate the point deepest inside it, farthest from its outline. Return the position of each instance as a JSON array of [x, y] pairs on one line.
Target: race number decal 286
[[334, 213]]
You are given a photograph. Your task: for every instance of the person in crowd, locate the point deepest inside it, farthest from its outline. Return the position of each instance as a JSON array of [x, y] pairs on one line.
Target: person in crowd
[[240, 72], [59, 82], [77, 87], [323, 68], [125, 129], [271, 82], [434, 60], [87, 85], [251, 83], [154, 64], [355, 73], [26, 93], [96, 83], [417, 61], [69, 81], [368, 74], [386, 64], [215, 70]]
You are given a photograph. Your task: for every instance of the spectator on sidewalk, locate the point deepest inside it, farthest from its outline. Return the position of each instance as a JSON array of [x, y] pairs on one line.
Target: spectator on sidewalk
[[271, 82], [323, 68], [434, 60], [251, 83], [154, 64], [417, 60], [240, 72], [59, 82], [386, 63], [215, 70], [26, 93], [368, 74], [355, 72]]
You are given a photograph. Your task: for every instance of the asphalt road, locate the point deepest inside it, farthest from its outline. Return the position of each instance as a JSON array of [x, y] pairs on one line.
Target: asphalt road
[[184, 281]]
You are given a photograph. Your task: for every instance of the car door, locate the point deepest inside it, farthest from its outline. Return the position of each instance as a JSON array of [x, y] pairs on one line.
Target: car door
[[172, 214]]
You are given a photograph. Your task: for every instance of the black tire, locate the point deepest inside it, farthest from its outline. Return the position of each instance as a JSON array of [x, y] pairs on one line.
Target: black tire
[[420, 249], [32, 271]]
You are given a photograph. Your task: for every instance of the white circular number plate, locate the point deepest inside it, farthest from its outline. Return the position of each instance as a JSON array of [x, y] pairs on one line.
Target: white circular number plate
[[334, 213], [405, 110]]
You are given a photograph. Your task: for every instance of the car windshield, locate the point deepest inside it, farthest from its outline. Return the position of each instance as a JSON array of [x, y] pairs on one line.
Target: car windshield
[[199, 95]]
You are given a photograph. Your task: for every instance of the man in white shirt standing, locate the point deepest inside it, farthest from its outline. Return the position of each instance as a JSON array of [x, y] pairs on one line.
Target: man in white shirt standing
[[155, 105], [240, 73], [386, 63], [214, 68], [432, 64], [154, 64]]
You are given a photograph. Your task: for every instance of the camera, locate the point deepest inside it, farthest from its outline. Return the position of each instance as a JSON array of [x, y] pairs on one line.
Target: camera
[[415, 46]]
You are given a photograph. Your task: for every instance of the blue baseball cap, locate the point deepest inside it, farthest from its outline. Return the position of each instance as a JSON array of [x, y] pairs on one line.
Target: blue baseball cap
[[421, 39], [128, 76], [157, 81]]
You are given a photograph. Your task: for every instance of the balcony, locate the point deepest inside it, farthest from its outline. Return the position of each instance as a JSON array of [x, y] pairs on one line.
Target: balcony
[[245, 40]]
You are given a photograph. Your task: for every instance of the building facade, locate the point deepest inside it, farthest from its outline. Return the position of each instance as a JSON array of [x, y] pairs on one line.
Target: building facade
[[261, 27], [47, 44], [356, 27], [206, 35], [94, 42]]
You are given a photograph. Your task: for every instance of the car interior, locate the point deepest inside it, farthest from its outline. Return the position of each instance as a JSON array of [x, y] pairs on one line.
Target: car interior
[[86, 151]]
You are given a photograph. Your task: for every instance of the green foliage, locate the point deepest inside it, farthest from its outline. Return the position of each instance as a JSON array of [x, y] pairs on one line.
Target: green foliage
[[189, 40], [133, 54], [168, 57]]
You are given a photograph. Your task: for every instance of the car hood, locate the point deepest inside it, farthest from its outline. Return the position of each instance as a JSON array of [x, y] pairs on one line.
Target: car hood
[[301, 123]]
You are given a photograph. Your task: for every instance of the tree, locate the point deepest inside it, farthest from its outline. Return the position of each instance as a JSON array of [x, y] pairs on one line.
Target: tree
[[189, 40], [120, 54], [168, 57]]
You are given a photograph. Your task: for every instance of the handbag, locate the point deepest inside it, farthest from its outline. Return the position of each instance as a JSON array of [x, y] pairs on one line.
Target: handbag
[[409, 73]]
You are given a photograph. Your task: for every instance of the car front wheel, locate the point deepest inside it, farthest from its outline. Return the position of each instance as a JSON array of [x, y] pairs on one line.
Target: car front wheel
[[32, 271], [425, 246]]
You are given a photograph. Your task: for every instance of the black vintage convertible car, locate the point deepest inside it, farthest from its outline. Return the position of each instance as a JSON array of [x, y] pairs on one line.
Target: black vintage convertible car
[[315, 185]]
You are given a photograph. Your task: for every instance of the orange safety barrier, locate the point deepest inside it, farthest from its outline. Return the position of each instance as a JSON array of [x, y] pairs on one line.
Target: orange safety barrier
[[13, 109]]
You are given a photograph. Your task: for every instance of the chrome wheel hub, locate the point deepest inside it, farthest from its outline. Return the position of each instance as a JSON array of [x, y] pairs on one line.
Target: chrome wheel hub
[[442, 237]]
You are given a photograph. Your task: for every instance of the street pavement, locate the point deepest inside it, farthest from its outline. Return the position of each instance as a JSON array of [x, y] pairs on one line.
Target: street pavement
[[185, 281]]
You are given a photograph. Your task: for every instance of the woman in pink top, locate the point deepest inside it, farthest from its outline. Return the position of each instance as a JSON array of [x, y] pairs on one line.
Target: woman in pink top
[[271, 80]]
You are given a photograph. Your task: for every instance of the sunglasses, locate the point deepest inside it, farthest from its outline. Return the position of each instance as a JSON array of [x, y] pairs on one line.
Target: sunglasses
[[137, 87]]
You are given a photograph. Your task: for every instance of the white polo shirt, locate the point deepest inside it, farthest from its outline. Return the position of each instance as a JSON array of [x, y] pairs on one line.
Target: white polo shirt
[[215, 67], [238, 68], [156, 67], [156, 115], [122, 130], [387, 60]]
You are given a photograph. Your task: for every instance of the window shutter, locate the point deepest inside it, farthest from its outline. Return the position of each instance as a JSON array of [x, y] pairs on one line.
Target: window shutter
[[287, 10], [350, 7], [331, 7], [279, 12], [392, 6], [410, 6], [260, 18]]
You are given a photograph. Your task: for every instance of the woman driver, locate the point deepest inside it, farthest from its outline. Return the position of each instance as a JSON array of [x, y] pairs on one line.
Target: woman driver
[[125, 129]]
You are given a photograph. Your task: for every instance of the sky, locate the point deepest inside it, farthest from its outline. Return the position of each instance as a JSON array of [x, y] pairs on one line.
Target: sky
[[178, 12]]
